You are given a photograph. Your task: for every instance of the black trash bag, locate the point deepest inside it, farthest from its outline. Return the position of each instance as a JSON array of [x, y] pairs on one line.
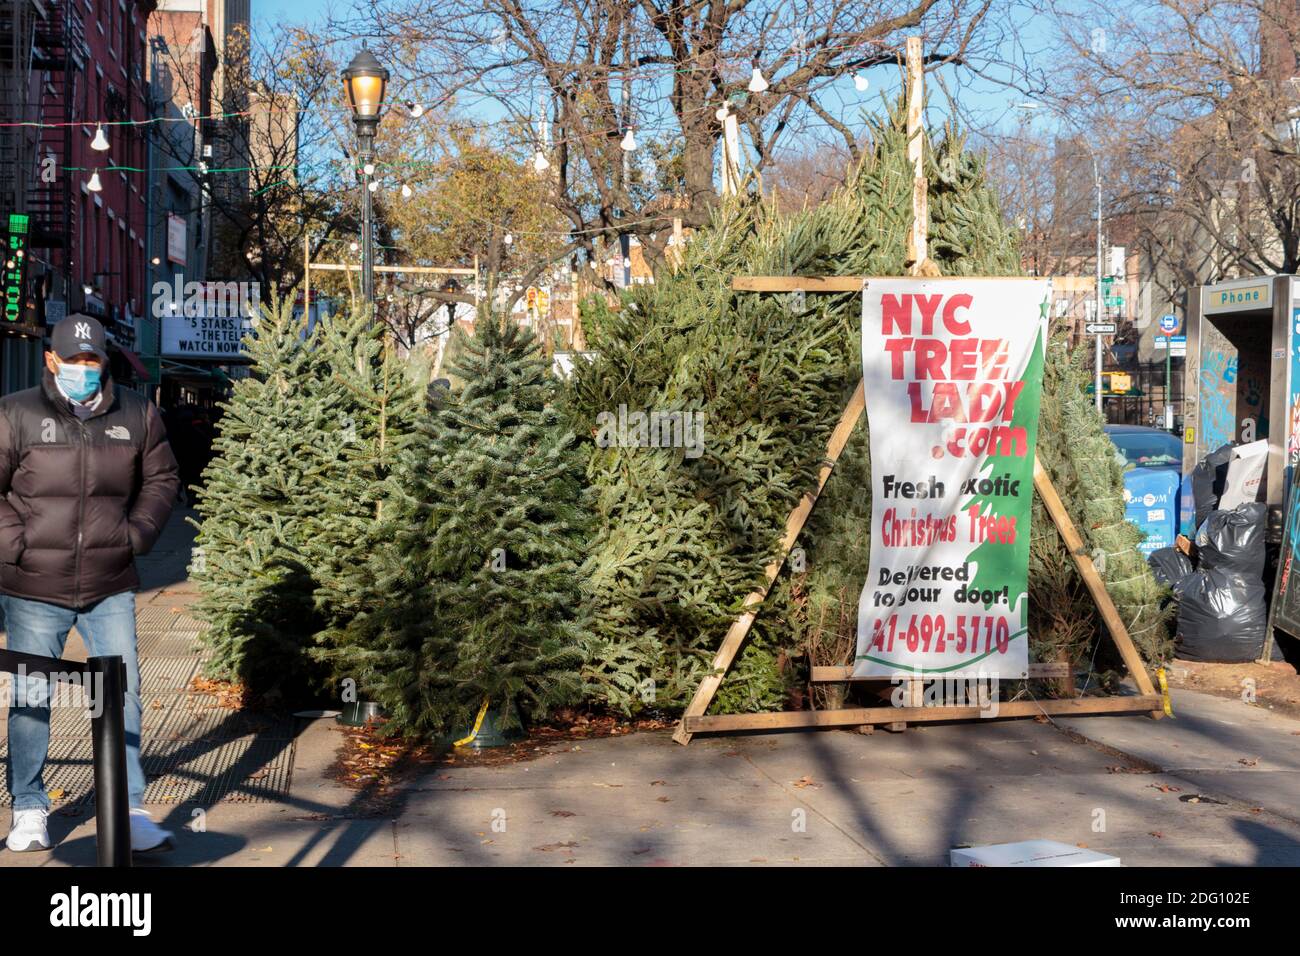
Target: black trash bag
[[1223, 605], [1221, 617], [1169, 565], [1233, 541], [1208, 479]]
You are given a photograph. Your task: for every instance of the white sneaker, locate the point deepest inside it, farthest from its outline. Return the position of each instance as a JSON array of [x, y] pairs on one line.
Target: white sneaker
[[28, 831], [147, 835]]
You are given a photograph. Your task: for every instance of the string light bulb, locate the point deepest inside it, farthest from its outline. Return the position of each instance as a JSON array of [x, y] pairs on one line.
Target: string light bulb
[[415, 109], [373, 185], [509, 239], [369, 169], [353, 247], [861, 83], [629, 140], [723, 111], [406, 191], [540, 162], [100, 142], [757, 84], [94, 185]]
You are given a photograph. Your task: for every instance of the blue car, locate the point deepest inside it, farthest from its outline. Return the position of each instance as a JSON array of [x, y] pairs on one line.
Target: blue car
[[1154, 488]]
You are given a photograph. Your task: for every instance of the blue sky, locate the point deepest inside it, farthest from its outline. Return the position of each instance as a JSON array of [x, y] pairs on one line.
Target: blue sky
[[991, 106]]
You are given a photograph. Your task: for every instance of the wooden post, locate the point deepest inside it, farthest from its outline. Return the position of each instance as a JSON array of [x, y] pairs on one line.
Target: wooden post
[[917, 239], [306, 278], [730, 155], [793, 525]]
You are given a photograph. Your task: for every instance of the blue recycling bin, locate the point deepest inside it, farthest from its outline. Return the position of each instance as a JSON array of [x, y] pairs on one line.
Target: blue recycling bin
[[1151, 501]]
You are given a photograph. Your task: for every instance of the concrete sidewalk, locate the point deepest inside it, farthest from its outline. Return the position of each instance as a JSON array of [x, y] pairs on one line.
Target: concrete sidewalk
[[820, 798], [1216, 785]]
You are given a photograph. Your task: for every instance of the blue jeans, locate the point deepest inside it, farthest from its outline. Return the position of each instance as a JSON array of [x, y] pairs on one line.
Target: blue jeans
[[35, 627]]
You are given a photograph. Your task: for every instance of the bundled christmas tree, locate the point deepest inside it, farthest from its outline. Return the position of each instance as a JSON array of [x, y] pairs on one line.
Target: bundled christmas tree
[[372, 400], [682, 538], [476, 596]]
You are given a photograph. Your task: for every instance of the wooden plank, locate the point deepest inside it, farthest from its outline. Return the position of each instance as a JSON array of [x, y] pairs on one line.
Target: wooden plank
[[793, 525], [1096, 587], [843, 283], [852, 717], [838, 674], [414, 270], [797, 283]]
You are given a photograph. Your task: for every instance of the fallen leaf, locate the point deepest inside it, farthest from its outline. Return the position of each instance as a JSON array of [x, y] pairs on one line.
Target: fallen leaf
[[548, 847], [807, 781], [1249, 761], [563, 813]]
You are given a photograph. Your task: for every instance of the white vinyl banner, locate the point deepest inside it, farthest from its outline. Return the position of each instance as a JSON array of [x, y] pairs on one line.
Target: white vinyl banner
[[953, 373]]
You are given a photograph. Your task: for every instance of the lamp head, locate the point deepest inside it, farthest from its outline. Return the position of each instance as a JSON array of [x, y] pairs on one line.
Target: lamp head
[[364, 81]]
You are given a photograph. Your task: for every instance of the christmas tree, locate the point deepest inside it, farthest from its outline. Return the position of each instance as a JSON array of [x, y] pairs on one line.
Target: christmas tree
[[370, 401], [255, 577], [476, 596]]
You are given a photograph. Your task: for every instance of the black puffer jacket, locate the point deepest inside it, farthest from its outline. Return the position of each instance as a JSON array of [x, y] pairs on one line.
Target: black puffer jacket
[[80, 499]]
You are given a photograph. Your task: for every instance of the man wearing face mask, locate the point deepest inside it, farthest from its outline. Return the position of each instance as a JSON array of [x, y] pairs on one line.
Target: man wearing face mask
[[87, 482]]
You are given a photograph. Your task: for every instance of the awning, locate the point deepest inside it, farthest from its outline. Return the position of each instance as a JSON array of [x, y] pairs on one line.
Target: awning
[[137, 366]]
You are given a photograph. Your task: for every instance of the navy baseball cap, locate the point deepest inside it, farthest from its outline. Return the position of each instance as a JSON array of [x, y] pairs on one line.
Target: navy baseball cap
[[77, 334]]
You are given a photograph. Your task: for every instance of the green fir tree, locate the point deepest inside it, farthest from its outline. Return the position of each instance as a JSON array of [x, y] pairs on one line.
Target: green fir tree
[[476, 595], [260, 495]]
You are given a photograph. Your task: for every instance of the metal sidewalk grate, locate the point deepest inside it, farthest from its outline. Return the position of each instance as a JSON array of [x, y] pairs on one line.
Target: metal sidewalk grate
[[244, 770], [160, 674], [168, 644], [191, 750]]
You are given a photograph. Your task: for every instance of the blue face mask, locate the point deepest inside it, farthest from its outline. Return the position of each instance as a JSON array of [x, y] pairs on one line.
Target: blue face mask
[[78, 382]]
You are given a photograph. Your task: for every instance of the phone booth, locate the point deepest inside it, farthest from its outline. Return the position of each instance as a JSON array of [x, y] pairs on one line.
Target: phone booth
[[1242, 376]]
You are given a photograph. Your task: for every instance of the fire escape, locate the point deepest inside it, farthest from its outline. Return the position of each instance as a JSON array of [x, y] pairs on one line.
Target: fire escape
[[17, 19], [59, 55]]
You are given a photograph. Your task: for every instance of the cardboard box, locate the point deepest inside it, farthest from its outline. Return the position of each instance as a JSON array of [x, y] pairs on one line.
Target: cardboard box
[[1030, 853]]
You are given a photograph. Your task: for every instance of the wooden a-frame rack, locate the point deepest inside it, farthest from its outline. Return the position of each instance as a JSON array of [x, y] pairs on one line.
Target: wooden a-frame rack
[[695, 720]]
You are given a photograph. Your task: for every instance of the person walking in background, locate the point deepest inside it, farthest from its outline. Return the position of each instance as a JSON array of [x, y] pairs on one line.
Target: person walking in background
[[87, 483]]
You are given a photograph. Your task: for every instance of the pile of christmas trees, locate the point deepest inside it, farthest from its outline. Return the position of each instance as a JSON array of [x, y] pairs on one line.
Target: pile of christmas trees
[[358, 537], [681, 539], [527, 544]]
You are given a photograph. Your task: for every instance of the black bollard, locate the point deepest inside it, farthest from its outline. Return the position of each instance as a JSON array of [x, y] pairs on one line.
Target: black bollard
[[108, 740]]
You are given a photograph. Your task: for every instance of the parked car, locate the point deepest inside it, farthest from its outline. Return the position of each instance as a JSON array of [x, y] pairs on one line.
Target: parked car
[[1153, 482], [1147, 447]]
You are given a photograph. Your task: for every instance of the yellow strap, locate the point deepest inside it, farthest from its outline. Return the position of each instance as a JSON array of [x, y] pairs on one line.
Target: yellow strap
[[1164, 692], [478, 722]]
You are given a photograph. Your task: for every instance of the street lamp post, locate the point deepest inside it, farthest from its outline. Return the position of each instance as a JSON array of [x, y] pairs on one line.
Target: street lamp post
[[364, 81]]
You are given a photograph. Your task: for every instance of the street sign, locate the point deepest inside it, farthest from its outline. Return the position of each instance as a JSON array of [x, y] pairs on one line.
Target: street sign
[[1176, 344], [1169, 323], [1100, 328]]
